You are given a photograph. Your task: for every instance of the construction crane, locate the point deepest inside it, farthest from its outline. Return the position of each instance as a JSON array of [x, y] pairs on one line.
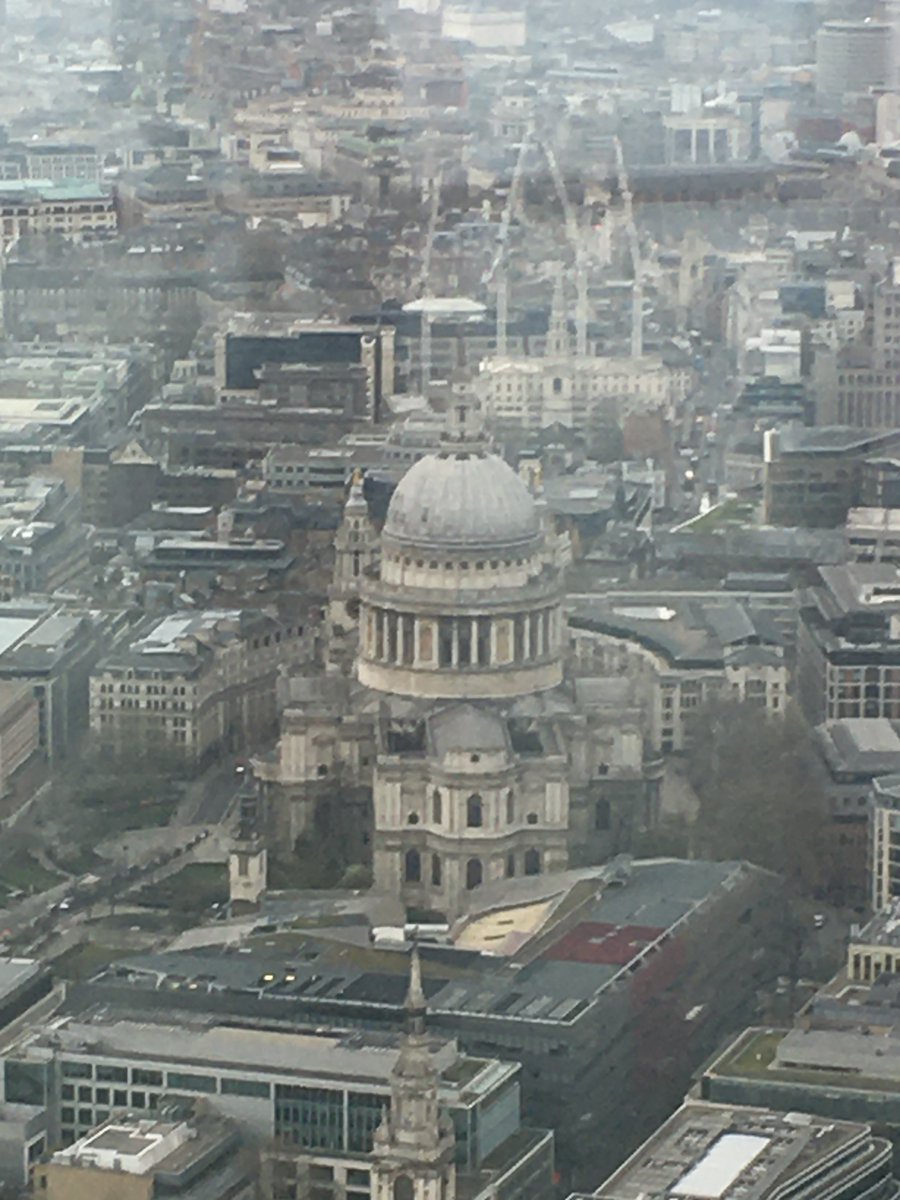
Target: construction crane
[[577, 241], [637, 269], [425, 289]]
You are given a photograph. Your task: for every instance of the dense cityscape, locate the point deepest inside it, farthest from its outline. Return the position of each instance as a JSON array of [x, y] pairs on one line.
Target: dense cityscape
[[449, 600]]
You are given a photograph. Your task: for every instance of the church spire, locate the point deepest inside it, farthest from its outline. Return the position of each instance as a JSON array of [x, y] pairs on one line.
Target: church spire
[[416, 1008], [558, 340]]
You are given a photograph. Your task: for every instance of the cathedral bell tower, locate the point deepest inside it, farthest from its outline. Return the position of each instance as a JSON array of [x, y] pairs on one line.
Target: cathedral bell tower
[[413, 1149], [356, 548]]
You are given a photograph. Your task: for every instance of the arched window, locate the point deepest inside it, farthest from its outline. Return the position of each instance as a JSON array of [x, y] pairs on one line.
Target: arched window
[[532, 862], [437, 806], [474, 812], [474, 873], [510, 866], [436, 870], [403, 1188], [412, 867], [413, 818], [510, 807]]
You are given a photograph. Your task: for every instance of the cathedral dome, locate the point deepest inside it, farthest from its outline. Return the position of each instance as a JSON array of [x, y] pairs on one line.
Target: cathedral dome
[[458, 500]]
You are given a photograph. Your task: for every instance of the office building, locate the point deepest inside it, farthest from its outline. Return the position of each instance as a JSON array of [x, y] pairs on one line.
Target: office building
[[681, 654], [720, 1152], [52, 650], [609, 984], [852, 56], [192, 683], [185, 1154], [77, 211], [61, 162], [250, 343], [415, 1148], [884, 839], [848, 643], [310, 1101], [814, 476]]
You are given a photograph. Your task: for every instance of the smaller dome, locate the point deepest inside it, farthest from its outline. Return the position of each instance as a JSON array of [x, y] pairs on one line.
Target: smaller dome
[[462, 501]]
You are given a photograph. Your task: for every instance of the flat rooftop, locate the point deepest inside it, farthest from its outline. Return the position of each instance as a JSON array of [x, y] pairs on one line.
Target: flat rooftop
[[557, 943], [716, 1152], [14, 972], [365, 1058]]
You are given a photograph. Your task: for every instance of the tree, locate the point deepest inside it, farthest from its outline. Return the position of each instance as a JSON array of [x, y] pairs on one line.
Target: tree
[[762, 791]]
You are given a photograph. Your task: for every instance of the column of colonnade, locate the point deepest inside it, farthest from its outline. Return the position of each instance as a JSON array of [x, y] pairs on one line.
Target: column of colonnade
[[404, 639]]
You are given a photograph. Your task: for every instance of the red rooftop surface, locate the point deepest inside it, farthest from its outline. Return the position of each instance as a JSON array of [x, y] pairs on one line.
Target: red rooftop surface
[[600, 942]]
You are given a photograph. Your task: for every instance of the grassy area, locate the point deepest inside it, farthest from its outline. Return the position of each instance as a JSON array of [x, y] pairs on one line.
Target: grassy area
[[144, 814], [25, 873], [194, 888], [756, 1057], [733, 511], [85, 959]]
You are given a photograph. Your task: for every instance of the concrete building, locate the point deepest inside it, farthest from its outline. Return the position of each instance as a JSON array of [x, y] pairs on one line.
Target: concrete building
[[873, 534], [79, 211], [708, 1148], [190, 1155], [250, 342], [852, 56], [682, 653], [19, 730], [705, 136], [848, 644], [43, 543], [609, 984], [814, 476], [61, 163], [192, 683], [415, 1149], [52, 650], [306, 1100], [884, 840], [486, 28]]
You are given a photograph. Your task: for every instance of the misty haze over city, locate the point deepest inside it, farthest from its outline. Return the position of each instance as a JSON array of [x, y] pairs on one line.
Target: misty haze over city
[[449, 600]]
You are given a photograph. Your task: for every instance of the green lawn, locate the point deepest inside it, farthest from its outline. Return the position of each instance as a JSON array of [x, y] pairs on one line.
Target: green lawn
[[757, 1055], [27, 875], [84, 960], [194, 888]]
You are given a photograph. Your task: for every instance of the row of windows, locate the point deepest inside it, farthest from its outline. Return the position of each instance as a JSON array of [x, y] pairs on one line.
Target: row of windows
[[474, 810], [412, 868], [148, 1077], [462, 565]]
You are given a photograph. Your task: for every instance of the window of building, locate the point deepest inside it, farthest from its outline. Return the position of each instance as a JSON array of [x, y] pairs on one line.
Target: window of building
[[474, 873], [532, 862], [532, 818], [510, 807], [142, 1076], [413, 818], [246, 1087], [190, 1082], [474, 812], [510, 866], [436, 872], [437, 806], [77, 1070], [403, 1188], [412, 867], [602, 814]]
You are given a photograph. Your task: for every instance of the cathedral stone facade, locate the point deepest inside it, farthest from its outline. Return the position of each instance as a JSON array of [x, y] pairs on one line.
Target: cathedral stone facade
[[456, 725]]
